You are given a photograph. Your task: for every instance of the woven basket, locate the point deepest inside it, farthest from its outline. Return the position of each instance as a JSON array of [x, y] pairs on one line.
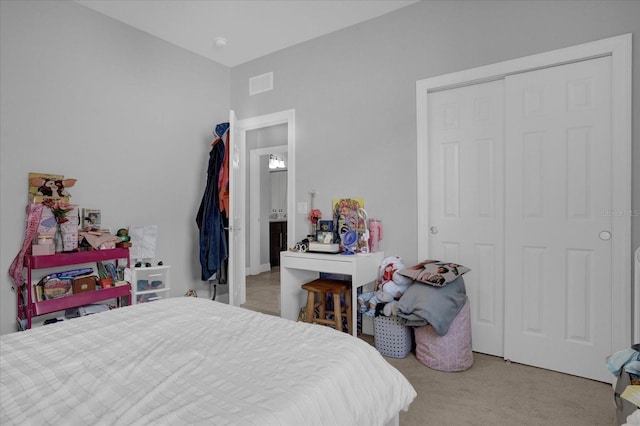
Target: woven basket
[[392, 338]]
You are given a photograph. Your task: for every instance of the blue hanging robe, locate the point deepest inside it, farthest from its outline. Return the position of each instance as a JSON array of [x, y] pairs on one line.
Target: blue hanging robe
[[213, 245]]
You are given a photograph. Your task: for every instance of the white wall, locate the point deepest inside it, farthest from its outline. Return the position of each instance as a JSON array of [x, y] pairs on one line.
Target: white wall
[[354, 93], [128, 115]]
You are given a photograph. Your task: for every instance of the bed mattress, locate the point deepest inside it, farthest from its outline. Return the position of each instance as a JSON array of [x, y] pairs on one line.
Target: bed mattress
[[194, 361]]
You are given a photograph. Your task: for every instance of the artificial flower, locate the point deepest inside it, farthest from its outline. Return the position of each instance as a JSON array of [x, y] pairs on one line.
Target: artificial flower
[[59, 209], [315, 215]]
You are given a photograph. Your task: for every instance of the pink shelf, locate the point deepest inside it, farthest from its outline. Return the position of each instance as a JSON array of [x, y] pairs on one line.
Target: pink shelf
[[28, 308], [65, 259], [80, 299]]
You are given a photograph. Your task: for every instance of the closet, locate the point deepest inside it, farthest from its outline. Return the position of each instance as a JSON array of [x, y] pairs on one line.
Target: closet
[[517, 183]]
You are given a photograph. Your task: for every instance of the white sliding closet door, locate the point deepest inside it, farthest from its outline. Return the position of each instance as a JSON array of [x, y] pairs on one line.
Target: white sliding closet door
[[558, 297], [519, 181], [466, 147]]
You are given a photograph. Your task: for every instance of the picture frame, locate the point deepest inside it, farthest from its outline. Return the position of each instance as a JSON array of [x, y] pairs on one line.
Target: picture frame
[[325, 237], [91, 218], [325, 225]]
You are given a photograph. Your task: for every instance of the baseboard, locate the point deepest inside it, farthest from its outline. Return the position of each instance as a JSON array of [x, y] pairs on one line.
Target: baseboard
[[265, 267]]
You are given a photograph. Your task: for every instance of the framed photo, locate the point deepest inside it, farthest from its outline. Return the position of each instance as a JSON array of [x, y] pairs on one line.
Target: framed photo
[[325, 225], [324, 237], [91, 218]]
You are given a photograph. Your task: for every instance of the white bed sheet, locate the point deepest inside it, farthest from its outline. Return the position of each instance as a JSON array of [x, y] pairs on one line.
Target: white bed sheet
[[194, 361]]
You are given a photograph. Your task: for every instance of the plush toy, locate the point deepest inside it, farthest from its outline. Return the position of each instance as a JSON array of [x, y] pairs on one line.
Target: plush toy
[[392, 282], [368, 301], [389, 285]]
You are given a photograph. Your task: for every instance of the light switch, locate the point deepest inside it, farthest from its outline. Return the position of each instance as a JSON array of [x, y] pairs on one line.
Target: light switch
[[302, 207]]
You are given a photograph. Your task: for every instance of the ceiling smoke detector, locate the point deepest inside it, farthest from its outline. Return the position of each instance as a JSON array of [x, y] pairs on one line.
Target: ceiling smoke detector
[[220, 41]]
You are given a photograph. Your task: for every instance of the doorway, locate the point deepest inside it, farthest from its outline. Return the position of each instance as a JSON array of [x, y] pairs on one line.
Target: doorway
[[247, 129], [267, 195], [267, 217]]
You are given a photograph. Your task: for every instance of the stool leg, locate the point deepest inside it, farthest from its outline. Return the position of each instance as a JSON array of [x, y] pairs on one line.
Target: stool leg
[[348, 311], [337, 311], [310, 302], [322, 309]]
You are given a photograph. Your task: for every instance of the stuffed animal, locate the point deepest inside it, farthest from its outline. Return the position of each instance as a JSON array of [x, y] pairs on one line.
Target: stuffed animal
[[391, 280], [390, 285], [368, 301]]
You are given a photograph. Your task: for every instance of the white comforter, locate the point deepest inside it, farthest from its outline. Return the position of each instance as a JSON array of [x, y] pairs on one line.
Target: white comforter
[[194, 361]]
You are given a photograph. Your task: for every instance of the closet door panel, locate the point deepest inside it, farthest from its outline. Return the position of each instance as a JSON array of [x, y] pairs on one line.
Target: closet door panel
[[465, 198], [558, 186]]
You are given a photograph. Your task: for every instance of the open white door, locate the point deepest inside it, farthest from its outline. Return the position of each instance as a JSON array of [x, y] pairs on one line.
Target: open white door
[[237, 261]]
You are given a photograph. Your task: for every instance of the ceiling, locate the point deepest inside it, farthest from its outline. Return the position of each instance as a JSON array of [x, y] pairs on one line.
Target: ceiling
[[251, 28]]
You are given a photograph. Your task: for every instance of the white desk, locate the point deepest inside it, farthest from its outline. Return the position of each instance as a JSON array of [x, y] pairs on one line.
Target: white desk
[[298, 268]]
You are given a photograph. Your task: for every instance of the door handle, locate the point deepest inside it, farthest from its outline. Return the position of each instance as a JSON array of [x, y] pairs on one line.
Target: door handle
[[605, 235], [434, 230]]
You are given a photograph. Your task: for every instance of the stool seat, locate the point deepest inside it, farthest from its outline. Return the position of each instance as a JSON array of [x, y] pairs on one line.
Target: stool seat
[[337, 288]]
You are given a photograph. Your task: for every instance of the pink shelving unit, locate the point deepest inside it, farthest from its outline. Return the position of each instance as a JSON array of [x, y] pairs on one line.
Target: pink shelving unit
[[28, 308]]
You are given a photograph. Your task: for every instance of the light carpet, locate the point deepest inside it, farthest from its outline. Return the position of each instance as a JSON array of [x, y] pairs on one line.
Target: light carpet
[[491, 392]]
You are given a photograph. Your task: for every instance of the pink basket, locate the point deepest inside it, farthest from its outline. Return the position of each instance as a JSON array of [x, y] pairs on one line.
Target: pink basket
[[451, 352]]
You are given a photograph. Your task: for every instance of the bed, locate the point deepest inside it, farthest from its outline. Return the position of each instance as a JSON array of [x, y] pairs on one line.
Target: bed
[[190, 360]]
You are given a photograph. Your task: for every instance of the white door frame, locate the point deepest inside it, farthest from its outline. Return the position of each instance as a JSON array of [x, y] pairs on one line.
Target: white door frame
[[255, 240], [283, 117], [619, 48]]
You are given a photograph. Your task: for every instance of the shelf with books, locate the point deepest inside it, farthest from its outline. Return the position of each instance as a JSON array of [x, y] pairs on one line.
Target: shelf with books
[[29, 307], [80, 299]]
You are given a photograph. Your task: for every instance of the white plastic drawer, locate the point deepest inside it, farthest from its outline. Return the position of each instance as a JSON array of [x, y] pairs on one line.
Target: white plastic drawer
[[150, 296], [151, 278], [152, 282]]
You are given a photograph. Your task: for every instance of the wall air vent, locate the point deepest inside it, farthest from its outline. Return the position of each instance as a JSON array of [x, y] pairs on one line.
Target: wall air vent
[[260, 83]]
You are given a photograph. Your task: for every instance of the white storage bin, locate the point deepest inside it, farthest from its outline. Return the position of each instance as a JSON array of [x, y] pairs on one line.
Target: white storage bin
[[148, 283]]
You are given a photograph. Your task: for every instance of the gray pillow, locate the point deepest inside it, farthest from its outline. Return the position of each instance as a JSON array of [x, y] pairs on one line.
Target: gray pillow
[[424, 304]]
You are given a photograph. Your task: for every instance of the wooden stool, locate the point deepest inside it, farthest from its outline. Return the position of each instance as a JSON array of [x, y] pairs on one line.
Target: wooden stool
[[322, 287]]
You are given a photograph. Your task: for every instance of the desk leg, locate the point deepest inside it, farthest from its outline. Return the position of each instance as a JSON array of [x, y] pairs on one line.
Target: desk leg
[[354, 310], [292, 297]]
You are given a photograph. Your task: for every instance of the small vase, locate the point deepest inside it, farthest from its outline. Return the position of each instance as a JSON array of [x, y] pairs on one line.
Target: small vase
[[313, 229], [57, 240]]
